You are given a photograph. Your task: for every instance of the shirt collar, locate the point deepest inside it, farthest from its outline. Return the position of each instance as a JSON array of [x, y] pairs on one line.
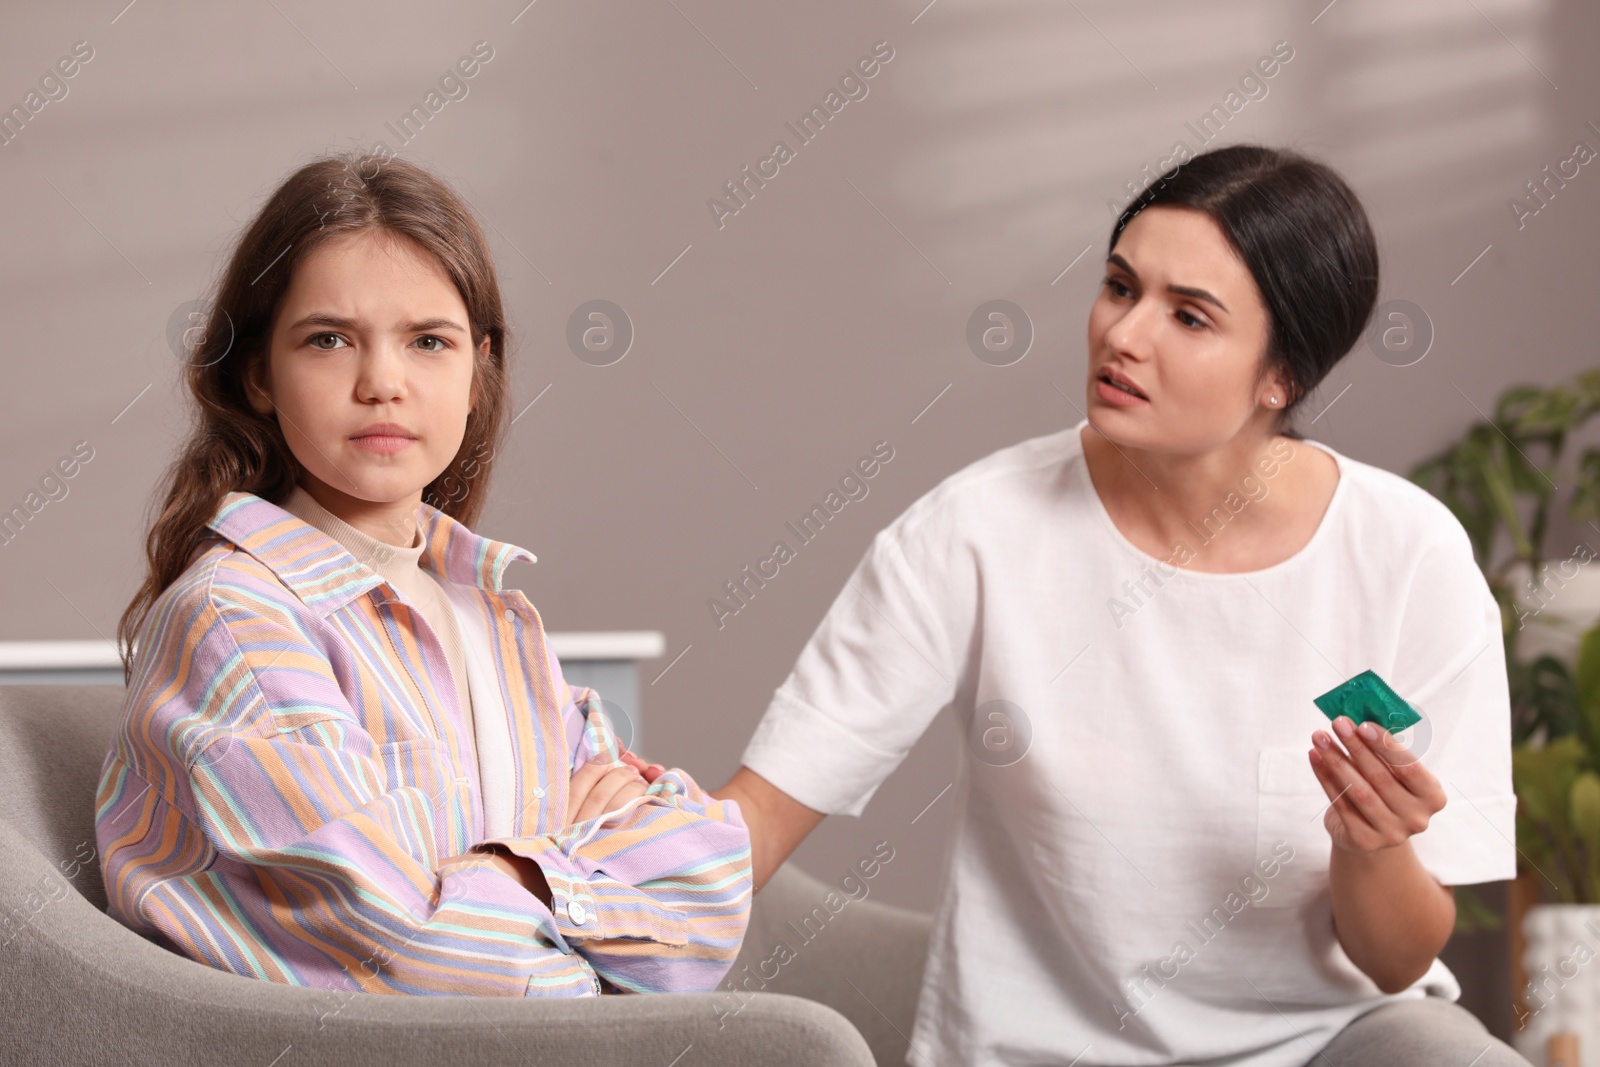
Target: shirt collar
[[323, 573]]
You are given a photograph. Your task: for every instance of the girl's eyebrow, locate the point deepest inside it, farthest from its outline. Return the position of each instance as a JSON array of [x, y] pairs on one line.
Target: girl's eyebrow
[[339, 322], [1181, 290]]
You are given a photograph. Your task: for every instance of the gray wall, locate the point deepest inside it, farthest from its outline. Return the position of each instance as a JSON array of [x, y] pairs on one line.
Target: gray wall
[[823, 317]]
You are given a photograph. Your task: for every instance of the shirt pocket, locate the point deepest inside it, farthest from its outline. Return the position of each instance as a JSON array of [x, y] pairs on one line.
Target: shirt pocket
[[417, 773], [1290, 838]]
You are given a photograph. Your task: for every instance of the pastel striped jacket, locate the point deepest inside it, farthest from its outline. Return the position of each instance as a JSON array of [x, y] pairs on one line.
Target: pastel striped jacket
[[292, 793]]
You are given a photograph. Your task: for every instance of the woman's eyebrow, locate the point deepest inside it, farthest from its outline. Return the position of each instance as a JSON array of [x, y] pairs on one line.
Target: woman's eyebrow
[[1181, 290], [340, 322]]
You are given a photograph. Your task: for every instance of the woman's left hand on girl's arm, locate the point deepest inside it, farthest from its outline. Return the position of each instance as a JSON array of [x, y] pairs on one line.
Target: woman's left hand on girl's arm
[[1380, 793]]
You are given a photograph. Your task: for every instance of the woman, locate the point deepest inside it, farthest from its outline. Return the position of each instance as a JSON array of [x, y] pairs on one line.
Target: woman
[[1133, 617], [347, 758]]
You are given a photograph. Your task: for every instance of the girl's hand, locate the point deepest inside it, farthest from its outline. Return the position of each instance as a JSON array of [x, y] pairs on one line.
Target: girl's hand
[[650, 771], [1380, 794], [598, 787]]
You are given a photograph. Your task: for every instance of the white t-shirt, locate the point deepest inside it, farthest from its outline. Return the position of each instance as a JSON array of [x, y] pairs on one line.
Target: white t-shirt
[[497, 772], [1140, 868]]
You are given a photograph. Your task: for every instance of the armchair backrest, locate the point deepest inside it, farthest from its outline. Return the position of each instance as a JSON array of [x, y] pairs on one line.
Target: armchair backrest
[[53, 741]]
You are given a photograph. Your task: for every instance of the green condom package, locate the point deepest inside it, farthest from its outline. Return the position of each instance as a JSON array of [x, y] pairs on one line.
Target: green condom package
[[1368, 698]]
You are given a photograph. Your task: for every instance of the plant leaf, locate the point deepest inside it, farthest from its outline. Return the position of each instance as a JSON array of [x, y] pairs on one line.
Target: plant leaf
[[1543, 778], [1585, 503], [1584, 809], [1586, 684], [1501, 497], [1585, 817], [1542, 695]]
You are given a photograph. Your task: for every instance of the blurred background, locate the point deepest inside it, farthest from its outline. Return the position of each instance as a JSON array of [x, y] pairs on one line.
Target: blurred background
[[775, 344]]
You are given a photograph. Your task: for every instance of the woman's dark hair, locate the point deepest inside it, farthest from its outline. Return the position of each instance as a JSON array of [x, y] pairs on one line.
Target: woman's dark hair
[[230, 446], [1306, 239]]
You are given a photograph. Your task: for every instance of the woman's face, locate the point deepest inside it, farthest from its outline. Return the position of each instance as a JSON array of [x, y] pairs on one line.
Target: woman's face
[[370, 369], [1179, 318]]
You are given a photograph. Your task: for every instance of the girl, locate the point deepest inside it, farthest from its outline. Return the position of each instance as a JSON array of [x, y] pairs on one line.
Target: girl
[[1133, 616], [347, 758]]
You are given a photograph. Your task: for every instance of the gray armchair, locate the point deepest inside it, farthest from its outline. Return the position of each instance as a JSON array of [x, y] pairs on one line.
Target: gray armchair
[[76, 986]]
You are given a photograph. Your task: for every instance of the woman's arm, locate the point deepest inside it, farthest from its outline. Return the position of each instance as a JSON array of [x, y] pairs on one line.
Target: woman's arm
[[777, 821], [1391, 916]]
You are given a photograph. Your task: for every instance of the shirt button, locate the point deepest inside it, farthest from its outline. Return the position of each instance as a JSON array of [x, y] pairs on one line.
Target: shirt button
[[576, 913], [538, 791], [511, 616]]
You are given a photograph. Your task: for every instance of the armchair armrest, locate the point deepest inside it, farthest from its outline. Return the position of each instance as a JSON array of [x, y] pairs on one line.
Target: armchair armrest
[[864, 960], [76, 986]]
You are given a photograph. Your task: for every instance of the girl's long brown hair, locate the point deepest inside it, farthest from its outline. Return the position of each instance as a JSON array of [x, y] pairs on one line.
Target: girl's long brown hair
[[231, 447]]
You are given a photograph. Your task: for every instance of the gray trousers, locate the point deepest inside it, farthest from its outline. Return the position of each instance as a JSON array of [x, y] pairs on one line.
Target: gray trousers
[[1428, 1032]]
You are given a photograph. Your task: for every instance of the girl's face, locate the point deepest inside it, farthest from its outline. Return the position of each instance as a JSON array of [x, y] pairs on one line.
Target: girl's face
[[1179, 318], [370, 370]]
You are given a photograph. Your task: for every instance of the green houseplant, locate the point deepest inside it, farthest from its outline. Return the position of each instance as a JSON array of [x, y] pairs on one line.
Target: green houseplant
[[1501, 480]]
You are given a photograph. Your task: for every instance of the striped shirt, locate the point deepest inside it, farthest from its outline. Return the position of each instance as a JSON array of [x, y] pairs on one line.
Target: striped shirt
[[292, 793]]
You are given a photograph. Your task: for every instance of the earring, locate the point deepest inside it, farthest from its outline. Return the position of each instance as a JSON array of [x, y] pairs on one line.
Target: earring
[[1272, 400]]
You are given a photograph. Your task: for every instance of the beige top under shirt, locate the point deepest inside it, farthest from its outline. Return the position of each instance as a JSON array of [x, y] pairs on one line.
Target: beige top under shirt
[[402, 568]]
